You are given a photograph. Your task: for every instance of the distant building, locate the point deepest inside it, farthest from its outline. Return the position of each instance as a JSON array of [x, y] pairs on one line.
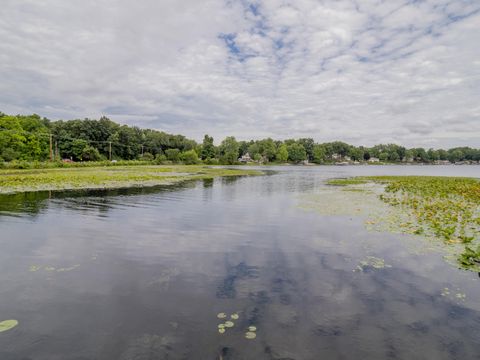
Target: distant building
[[347, 158], [245, 158], [373, 160]]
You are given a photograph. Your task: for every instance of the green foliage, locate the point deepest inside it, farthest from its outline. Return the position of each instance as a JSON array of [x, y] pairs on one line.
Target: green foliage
[[296, 153], [208, 149], [160, 159], [147, 156], [27, 138], [229, 151], [319, 154], [470, 259], [90, 153], [282, 153], [189, 157], [173, 155]]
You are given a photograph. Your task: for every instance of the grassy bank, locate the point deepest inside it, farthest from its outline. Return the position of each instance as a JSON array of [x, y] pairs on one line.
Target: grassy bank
[[13, 181], [446, 208]]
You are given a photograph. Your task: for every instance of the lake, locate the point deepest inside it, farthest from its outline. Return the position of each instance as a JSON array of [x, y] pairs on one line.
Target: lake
[[142, 274]]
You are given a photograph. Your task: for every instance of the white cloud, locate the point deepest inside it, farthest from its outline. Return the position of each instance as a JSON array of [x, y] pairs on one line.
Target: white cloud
[[360, 71]]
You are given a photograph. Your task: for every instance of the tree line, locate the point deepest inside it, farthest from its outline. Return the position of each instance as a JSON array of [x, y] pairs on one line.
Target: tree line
[[32, 138]]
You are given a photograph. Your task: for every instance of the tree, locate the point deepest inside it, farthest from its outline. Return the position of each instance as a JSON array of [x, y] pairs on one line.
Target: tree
[[455, 155], [78, 147], [268, 149], [208, 149], [296, 152], [319, 154], [229, 150], [282, 153], [89, 153], [173, 155], [189, 157], [308, 145]]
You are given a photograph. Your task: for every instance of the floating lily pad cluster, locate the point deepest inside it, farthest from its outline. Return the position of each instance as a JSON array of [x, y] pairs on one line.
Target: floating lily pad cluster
[[222, 328], [251, 332], [7, 325], [452, 294]]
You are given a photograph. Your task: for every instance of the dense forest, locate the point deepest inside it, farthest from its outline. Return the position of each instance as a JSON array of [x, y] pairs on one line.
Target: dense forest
[[32, 138]]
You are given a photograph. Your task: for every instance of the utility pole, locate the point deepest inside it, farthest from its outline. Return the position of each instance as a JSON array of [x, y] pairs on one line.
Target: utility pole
[[142, 150], [56, 150], [51, 148], [110, 150]]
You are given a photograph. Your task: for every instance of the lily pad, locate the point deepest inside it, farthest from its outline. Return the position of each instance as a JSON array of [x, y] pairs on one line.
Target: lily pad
[[221, 331], [229, 324], [234, 316], [250, 335], [34, 268], [221, 315], [221, 326], [252, 328], [7, 325]]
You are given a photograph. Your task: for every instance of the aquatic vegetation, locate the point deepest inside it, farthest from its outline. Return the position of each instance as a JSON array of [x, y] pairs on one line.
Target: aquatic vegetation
[[34, 268], [14, 181], [445, 208], [372, 262], [348, 181], [453, 295], [7, 325], [470, 259], [251, 333], [222, 328]]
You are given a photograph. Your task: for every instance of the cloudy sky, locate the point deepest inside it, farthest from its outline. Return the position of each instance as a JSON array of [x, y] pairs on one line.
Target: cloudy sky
[[361, 71]]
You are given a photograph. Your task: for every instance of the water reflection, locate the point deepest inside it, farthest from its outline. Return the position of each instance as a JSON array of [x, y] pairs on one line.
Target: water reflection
[[157, 264]]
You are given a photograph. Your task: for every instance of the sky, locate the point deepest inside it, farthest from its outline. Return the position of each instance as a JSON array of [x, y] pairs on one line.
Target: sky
[[360, 71]]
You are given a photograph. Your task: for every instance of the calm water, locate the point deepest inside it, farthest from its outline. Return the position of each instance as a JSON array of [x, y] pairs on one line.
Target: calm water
[[141, 274]]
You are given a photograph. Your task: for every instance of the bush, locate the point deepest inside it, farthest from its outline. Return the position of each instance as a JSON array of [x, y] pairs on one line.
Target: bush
[[189, 157], [160, 159], [173, 154], [210, 161], [147, 157]]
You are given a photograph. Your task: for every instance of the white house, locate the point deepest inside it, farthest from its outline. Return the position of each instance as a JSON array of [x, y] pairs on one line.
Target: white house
[[245, 158]]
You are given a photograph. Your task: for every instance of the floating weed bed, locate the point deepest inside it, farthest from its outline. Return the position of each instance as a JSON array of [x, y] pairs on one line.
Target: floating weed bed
[[108, 177], [436, 208], [6, 325]]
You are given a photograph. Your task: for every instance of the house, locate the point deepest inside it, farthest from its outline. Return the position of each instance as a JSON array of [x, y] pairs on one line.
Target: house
[[245, 158], [373, 160], [347, 158]]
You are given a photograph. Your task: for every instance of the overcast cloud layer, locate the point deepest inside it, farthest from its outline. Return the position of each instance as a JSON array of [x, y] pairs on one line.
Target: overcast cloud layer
[[364, 71]]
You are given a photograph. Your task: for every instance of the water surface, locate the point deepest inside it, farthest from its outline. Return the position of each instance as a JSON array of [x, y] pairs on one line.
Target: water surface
[[142, 273]]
